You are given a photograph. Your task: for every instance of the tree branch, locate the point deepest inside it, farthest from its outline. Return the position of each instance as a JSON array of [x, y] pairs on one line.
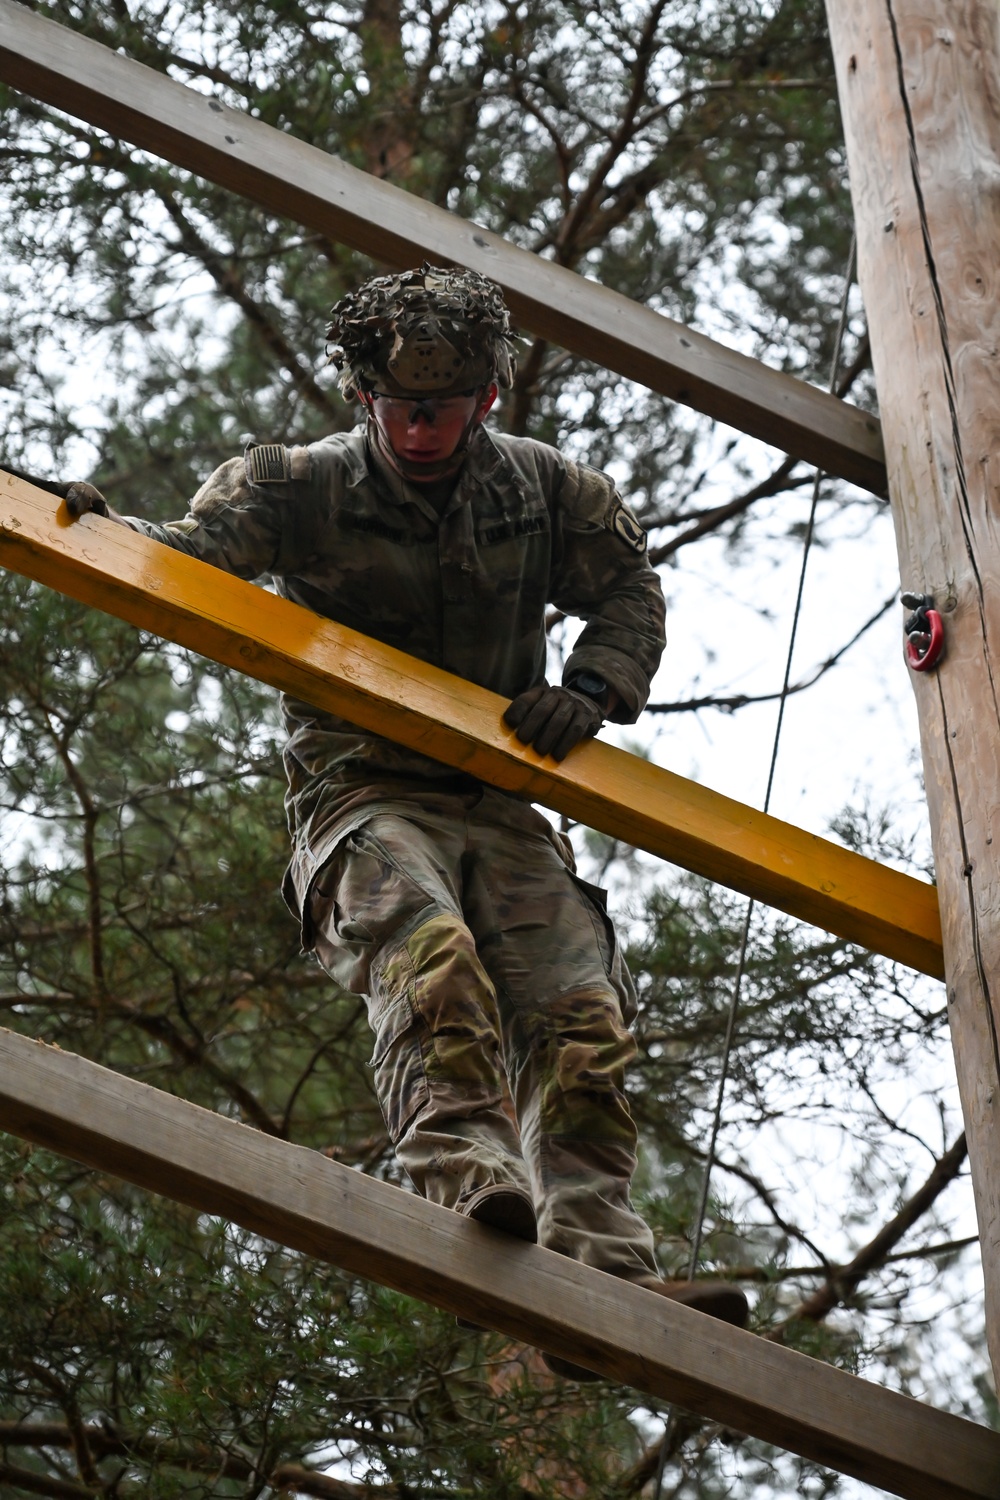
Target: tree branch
[[89, 814], [780, 479], [712, 519], [839, 1283], [105, 1442], [349, 1023], [769, 1274], [742, 700], [232, 286], [33, 1483], [844, 1280], [566, 237], [727, 85]]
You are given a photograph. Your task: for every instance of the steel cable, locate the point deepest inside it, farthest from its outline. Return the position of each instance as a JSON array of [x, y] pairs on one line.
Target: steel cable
[[727, 1044]]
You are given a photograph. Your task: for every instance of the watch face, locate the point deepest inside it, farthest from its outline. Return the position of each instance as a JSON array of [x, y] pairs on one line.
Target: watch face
[[588, 682]]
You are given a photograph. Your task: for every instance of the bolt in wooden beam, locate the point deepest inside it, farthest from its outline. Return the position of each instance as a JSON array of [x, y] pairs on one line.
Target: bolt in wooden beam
[[306, 184], [158, 589], [372, 1229]]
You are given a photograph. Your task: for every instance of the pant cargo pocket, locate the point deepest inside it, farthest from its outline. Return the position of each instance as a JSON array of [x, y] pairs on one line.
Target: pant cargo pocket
[[398, 1066]]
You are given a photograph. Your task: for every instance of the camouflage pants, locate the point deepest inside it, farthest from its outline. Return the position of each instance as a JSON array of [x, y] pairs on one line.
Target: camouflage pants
[[492, 976]]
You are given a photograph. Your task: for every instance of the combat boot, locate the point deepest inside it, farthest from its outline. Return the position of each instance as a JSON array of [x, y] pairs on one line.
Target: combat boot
[[717, 1299], [505, 1208]]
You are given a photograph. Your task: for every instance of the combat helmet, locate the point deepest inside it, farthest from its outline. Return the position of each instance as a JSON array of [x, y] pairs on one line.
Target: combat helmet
[[433, 331]]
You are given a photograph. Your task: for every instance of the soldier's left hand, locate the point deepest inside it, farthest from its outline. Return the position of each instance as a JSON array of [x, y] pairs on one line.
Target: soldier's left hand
[[553, 719], [82, 498]]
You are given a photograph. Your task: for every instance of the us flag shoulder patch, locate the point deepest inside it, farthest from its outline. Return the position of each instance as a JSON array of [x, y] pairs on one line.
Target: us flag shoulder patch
[[268, 463]]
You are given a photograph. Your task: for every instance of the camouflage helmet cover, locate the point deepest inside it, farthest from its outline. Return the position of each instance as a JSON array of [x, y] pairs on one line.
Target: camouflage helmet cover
[[433, 331]]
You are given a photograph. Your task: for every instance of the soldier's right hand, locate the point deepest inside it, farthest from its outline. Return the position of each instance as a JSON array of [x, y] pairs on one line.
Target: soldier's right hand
[[83, 497], [553, 719]]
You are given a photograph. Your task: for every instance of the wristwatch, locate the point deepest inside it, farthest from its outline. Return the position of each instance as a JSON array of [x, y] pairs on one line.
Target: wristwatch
[[591, 686]]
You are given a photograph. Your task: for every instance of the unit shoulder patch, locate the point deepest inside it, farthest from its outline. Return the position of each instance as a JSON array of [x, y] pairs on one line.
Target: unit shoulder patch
[[625, 526]]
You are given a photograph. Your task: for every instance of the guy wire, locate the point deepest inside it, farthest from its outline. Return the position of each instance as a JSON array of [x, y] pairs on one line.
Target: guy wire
[[751, 904]]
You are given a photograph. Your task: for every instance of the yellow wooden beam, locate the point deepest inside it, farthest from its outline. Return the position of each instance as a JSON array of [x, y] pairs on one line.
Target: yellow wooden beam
[[379, 688], [302, 1200], [288, 177]]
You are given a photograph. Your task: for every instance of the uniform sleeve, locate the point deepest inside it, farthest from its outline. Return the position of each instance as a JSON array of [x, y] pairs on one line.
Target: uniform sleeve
[[243, 519], [601, 573]]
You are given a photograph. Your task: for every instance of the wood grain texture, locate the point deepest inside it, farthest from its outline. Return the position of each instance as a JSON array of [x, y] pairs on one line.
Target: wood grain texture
[[920, 94], [125, 574], [301, 182], [302, 1200]]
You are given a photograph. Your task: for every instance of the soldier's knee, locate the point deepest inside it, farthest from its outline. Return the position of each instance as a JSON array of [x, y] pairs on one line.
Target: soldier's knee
[[436, 974], [588, 1048], [591, 1036], [434, 961]]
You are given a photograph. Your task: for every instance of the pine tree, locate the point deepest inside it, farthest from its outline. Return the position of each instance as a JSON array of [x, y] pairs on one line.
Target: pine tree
[[149, 320]]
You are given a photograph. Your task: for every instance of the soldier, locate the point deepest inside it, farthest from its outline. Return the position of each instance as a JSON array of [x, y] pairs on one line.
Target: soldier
[[490, 969]]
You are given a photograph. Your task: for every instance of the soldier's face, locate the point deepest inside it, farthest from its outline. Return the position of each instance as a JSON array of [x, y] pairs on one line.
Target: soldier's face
[[425, 432]]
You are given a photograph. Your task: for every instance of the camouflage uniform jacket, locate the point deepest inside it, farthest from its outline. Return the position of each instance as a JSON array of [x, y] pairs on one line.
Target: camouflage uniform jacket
[[342, 534]]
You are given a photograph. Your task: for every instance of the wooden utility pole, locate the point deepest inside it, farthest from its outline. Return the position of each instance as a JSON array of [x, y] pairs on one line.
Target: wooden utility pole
[[920, 94]]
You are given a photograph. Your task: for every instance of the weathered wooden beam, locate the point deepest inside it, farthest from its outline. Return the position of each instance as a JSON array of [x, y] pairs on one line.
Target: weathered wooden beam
[[125, 574], [920, 96], [304, 183], [302, 1200]]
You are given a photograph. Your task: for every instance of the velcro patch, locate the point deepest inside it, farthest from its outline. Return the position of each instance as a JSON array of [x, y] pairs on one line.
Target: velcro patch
[[371, 525], [624, 525], [268, 463], [513, 526]]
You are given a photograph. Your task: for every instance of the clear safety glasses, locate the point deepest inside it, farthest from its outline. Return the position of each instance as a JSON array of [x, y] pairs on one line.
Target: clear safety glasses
[[432, 408]]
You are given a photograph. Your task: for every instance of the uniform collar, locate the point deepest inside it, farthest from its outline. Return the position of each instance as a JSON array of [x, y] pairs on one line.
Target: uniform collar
[[351, 453], [481, 464]]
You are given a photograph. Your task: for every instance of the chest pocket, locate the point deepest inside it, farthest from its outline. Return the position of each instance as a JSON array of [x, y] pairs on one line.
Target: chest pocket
[[513, 553], [378, 577]]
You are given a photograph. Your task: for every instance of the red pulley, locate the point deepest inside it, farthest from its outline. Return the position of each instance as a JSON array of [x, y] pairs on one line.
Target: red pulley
[[924, 633]]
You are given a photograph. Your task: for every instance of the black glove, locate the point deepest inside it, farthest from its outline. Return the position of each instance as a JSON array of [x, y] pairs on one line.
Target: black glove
[[554, 719], [83, 497], [80, 497]]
